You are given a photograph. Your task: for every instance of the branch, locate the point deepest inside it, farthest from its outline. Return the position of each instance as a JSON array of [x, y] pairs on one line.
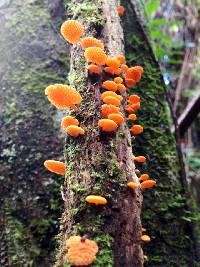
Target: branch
[[189, 114]]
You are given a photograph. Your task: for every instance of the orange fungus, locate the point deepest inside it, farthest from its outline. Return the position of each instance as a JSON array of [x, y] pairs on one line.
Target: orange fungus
[[121, 10], [136, 129], [140, 159], [130, 82], [144, 177], [74, 130], [72, 31], [124, 67], [94, 69], [55, 166], [145, 238], [132, 117], [148, 184], [95, 55], [107, 125], [112, 62], [121, 87], [69, 120], [63, 96], [121, 59], [110, 85], [111, 100], [97, 200], [118, 80], [81, 251], [91, 42], [134, 73], [132, 185], [133, 99], [108, 109], [118, 118], [110, 93]]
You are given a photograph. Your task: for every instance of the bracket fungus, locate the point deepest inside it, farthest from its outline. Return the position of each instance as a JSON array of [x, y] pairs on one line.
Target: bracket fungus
[[110, 85], [80, 251], [94, 69], [132, 185], [95, 55], [112, 62], [121, 87], [72, 31], [144, 177], [118, 80], [132, 117], [118, 118], [107, 125], [97, 200], [111, 100], [55, 166], [110, 93], [148, 184], [74, 130], [108, 109], [145, 238], [133, 99], [130, 82], [136, 129], [121, 59], [63, 96], [140, 159], [69, 120], [91, 42], [121, 10]]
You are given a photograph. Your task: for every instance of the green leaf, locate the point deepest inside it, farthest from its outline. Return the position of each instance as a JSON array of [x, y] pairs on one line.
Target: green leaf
[[151, 7], [158, 22]]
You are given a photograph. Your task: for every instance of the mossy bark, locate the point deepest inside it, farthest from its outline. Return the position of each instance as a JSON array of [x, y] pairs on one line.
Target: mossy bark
[[100, 163], [164, 212], [32, 56]]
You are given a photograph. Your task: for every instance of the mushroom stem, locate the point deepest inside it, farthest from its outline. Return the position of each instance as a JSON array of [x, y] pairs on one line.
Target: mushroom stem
[[74, 107]]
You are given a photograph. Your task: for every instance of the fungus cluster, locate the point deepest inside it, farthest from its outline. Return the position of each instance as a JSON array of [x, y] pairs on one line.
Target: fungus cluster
[[118, 108]]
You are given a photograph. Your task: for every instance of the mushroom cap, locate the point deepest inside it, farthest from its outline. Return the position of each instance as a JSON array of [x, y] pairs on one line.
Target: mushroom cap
[[120, 10], [124, 67], [130, 82], [72, 31], [121, 87], [111, 100], [95, 55], [148, 184], [94, 69], [140, 159], [121, 58], [91, 42], [133, 99], [110, 93], [118, 80], [134, 73], [108, 109], [107, 125], [132, 117], [62, 96], [136, 129], [81, 252], [110, 85], [145, 238], [132, 185], [112, 62], [69, 120], [74, 130], [55, 166], [98, 200], [144, 177], [118, 118]]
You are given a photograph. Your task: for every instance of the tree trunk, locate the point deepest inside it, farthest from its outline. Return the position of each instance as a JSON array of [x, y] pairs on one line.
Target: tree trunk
[[165, 213], [100, 163], [32, 55]]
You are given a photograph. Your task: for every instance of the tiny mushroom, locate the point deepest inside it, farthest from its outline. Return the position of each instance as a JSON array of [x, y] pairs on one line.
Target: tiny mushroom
[[74, 130], [132, 185], [97, 200], [72, 31], [136, 129], [107, 125], [55, 166], [148, 184]]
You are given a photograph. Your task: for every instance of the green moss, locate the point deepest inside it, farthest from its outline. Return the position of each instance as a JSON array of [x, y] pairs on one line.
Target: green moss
[[164, 206]]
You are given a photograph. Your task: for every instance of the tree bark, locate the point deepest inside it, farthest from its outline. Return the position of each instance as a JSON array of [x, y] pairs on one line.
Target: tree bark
[[100, 163]]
